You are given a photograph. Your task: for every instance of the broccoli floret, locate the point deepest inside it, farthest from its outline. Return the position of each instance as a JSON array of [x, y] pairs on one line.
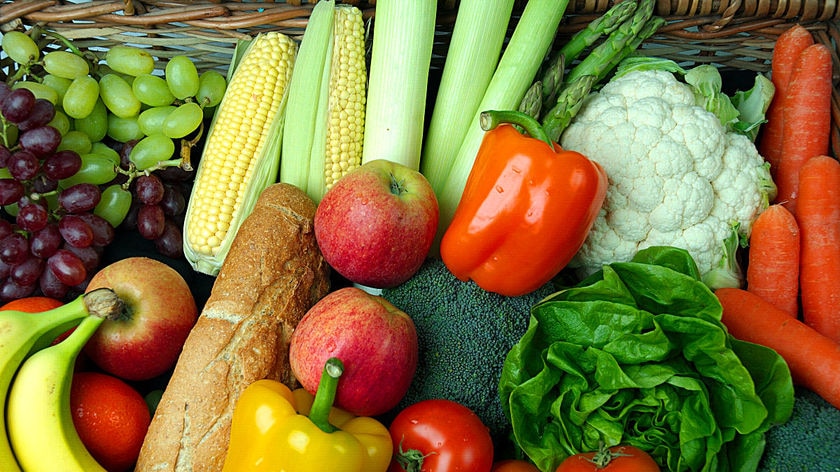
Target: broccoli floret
[[464, 334], [808, 441]]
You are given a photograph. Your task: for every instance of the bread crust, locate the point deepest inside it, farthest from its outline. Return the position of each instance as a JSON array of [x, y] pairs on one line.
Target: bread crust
[[272, 275]]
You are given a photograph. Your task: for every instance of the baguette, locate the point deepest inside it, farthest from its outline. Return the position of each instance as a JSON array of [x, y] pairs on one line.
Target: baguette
[[271, 276]]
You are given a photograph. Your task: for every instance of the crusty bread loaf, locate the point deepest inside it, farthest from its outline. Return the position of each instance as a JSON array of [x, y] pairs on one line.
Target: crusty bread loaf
[[272, 275]]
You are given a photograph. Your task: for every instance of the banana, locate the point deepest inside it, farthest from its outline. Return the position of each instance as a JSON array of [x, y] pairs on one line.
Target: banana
[[39, 422], [21, 334]]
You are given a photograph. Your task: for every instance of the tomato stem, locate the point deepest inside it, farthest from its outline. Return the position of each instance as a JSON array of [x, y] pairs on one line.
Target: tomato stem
[[410, 460], [605, 455]]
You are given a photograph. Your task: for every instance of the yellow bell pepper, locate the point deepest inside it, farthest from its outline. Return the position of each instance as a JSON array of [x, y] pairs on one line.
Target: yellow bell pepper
[[277, 429]]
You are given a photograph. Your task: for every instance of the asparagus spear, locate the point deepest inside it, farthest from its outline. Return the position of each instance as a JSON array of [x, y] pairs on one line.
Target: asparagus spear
[[601, 59], [568, 104]]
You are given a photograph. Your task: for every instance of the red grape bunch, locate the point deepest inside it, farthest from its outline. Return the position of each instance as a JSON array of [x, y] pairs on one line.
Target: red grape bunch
[[55, 240]]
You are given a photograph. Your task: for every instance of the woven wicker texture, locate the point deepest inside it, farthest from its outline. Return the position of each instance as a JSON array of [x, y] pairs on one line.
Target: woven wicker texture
[[732, 34]]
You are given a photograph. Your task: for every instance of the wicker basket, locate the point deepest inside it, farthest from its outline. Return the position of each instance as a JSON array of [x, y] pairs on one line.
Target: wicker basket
[[737, 35]]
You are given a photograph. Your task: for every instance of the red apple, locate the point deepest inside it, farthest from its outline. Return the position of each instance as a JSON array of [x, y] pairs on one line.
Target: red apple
[[375, 226], [159, 313], [376, 341]]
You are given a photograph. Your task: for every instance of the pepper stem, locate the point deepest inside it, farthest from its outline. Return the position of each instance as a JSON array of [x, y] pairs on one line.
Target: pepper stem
[[325, 395], [492, 118]]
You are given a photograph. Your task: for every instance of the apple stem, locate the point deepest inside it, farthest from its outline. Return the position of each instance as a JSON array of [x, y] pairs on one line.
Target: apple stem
[[325, 395], [104, 303]]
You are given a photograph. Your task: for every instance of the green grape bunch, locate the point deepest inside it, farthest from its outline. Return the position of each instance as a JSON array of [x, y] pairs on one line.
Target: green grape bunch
[[91, 142]]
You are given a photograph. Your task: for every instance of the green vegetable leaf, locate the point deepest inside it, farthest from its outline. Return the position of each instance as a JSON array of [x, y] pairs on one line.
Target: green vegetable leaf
[[636, 354]]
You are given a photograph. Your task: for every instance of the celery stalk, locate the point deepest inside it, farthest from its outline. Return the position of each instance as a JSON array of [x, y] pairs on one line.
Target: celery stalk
[[473, 54], [403, 35], [514, 75]]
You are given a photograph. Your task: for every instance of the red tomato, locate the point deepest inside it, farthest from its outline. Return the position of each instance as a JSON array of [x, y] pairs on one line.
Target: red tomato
[[614, 459], [513, 465], [447, 435]]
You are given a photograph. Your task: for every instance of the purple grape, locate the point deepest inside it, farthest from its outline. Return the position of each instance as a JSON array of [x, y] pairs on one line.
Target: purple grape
[[23, 164], [43, 111], [67, 267], [149, 189], [5, 270], [62, 164], [17, 105], [27, 272], [170, 243], [32, 216], [125, 152], [150, 221], [43, 184], [41, 141], [14, 248], [79, 198], [75, 231], [4, 155], [45, 242], [5, 90], [6, 228], [51, 286], [174, 201], [11, 190], [89, 256], [10, 290], [103, 232]]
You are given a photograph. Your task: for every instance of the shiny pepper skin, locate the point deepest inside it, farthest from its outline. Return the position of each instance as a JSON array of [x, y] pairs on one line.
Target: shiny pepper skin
[[525, 211]]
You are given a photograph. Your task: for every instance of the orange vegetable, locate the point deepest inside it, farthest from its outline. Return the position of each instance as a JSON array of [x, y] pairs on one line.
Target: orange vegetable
[[807, 120], [773, 266], [789, 45], [814, 359], [819, 223], [526, 209]]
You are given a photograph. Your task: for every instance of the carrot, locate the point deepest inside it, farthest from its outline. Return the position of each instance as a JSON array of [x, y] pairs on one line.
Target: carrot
[[818, 216], [807, 119], [773, 260], [789, 45], [813, 359]]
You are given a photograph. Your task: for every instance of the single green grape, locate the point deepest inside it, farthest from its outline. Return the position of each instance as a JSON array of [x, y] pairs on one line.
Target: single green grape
[[117, 95], [65, 64], [59, 84], [38, 89], [61, 122], [95, 124], [80, 97], [124, 129], [183, 120], [96, 169], [20, 47], [104, 150], [151, 150], [211, 88], [75, 141], [113, 205], [152, 90], [130, 60], [182, 77], [151, 120]]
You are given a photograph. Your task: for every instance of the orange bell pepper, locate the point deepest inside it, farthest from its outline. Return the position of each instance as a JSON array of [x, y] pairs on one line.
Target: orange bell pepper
[[526, 209]]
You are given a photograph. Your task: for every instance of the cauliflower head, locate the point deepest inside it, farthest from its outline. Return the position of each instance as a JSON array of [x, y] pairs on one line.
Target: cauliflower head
[[678, 177]]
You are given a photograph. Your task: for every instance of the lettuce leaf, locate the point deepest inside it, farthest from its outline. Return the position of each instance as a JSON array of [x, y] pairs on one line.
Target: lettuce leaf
[[636, 354]]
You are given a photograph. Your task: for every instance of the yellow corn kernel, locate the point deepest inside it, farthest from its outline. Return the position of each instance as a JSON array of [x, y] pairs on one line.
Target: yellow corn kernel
[[324, 135], [348, 76], [241, 152]]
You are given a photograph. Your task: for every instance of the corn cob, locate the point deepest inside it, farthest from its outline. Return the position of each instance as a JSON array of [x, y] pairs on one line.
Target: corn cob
[[322, 139], [242, 150]]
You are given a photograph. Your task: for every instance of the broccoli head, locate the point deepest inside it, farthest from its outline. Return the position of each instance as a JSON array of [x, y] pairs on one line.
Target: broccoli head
[[464, 334], [808, 441]]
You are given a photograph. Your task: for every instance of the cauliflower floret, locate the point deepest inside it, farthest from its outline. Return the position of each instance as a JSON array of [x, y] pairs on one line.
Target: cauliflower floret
[[677, 176]]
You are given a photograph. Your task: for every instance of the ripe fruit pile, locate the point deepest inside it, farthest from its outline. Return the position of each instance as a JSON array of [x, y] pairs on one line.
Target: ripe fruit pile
[[89, 144]]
